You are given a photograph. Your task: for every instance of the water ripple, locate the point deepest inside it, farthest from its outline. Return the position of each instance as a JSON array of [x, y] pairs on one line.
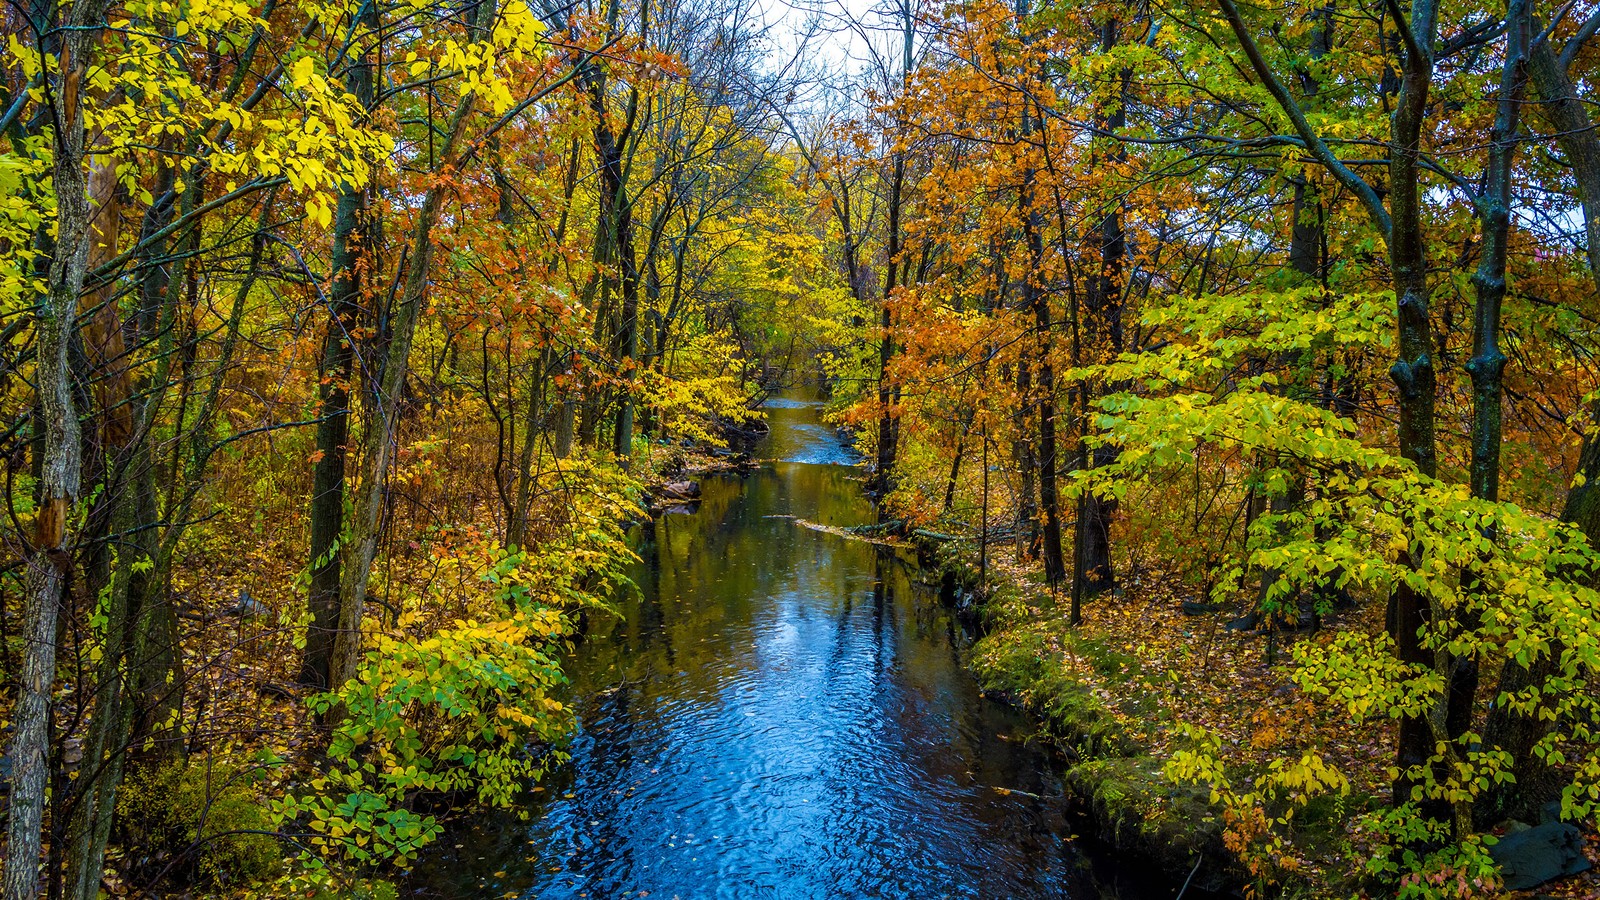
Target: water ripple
[[780, 714]]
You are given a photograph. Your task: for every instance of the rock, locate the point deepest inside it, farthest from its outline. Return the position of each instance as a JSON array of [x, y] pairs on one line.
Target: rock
[[1194, 608], [1245, 623], [681, 490], [247, 607], [1532, 857]]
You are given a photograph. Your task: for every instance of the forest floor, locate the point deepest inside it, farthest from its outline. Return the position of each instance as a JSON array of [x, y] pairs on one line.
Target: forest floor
[[1125, 691]]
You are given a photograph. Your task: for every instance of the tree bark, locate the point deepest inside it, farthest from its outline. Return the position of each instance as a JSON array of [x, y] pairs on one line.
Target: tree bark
[[347, 262], [888, 424], [1092, 570], [1413, 370], [49, 567], [383, 433], [1488, 362], [1038, 301], [1506, 729], [1027, 527]]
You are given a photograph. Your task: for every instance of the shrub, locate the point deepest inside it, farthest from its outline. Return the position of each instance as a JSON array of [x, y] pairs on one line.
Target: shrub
[[199, 821]]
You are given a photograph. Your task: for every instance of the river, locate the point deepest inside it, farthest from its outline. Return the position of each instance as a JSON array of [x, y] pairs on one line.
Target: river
[[781, 712]]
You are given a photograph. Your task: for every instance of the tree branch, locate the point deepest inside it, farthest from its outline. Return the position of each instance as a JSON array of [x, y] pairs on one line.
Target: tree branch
[[1314, 143]]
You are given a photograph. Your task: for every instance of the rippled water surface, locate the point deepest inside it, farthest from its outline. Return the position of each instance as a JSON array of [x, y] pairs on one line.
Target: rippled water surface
[[782, 713]]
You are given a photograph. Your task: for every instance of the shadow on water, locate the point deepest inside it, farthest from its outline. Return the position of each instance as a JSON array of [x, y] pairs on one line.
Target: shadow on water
[[780, 713]]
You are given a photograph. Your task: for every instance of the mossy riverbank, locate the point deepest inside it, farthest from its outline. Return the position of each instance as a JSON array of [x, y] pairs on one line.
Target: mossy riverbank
[[1151, 676], [1113, 776], [1120, 694]]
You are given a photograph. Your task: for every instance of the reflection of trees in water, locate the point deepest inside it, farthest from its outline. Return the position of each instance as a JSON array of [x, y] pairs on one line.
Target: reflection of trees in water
[[762, 664], [705, 579]]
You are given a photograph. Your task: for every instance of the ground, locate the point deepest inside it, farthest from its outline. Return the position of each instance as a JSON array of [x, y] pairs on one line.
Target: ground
[[1121, 693]]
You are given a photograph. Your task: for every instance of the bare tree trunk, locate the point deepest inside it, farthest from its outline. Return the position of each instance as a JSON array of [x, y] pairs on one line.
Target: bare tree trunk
[[383, 434], [1505, 728], [49, 571]]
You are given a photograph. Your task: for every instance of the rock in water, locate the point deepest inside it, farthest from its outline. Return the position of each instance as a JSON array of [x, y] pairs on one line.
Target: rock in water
[[681, 490], [1532, 857]]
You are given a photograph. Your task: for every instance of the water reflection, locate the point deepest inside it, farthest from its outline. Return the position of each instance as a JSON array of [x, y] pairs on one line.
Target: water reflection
[[780, 713]]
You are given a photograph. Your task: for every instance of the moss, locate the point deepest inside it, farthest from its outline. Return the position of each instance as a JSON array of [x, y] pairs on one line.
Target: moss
[[1137, 808], [201, 818], [1021, 664]]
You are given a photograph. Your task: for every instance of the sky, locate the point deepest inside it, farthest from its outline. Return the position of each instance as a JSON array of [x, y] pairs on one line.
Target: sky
[[829, 36]]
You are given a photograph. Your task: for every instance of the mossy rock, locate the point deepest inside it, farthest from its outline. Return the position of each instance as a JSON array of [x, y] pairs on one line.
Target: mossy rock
[[1018, 663]]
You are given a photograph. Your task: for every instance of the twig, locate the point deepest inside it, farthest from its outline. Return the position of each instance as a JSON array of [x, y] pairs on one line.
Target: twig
[[1181, 891]]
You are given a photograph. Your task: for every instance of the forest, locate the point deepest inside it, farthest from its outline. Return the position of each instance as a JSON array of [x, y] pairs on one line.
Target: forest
[[396, 396]]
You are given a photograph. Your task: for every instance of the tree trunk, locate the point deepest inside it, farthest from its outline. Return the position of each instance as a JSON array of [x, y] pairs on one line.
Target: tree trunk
[[534, 424], [1488, 362], [49, 568], [1039, 302], [1307, 234], [1413, 374], [123, 506], [1092, 572], [628, 338], [953, 480], [326, 514], [383, 433], [1504, 728], [1027, 527], [888, 424], [887, 436]]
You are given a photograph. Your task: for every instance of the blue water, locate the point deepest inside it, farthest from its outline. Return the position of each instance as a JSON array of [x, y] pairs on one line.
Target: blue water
[[782, 713]]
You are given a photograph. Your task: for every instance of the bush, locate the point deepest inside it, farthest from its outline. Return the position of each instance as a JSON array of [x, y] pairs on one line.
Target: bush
[[197, 821]]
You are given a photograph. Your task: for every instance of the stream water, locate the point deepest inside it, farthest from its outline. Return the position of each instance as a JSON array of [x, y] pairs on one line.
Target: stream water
[[781, 712]]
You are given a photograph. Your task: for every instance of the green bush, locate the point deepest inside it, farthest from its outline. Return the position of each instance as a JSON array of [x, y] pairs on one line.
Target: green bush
[[361, 889], [199, 821]]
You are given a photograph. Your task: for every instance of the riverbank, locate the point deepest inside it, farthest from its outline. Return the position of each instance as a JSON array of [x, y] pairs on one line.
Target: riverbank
[[1091, 703], [1151, 681]]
